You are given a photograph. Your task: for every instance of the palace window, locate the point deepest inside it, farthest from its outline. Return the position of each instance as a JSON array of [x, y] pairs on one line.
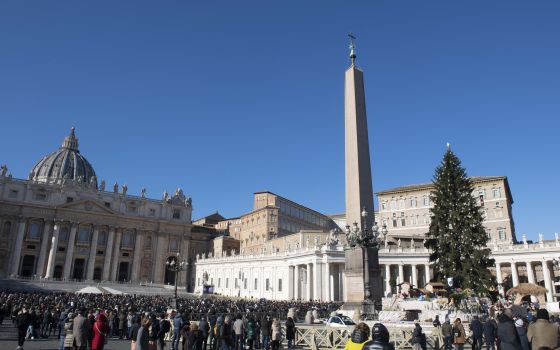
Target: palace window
[[393, 205], [152, 212], [403, 220], [413, 202], [502, 234], [401, 203], [426, 201], [256, 283], [41, 195], [245, 283], [267, 284], [394, 219], [280, 285], [496, 193], [384, 206], [227, 282], [414, 220], [13, 193], [176, 213], [219, 282]]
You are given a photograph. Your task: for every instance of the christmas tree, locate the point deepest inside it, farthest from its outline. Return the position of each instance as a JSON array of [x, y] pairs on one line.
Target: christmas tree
[[457, 238]]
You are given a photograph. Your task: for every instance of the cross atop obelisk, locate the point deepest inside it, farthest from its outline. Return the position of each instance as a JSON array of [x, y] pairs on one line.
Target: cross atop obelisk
[[352, 48]]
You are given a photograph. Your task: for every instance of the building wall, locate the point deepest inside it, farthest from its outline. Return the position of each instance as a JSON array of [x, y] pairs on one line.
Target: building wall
[[406, 210], [77, 232]]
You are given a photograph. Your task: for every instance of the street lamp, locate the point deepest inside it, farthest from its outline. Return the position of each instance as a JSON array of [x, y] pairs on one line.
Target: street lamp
[[176, 266], [365, 239]]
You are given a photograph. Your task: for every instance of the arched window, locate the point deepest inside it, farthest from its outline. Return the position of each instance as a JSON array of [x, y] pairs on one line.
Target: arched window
[[63, 234], [7, 228], [127, 240]]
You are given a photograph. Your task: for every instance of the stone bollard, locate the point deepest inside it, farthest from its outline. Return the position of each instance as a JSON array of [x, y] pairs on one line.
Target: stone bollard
[[356, 316], [315, 315], [292, 313]]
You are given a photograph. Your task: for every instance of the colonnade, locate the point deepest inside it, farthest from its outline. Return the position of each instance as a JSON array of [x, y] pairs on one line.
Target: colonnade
[[56, 256], [316, 280], [530, 268], [418, 276]]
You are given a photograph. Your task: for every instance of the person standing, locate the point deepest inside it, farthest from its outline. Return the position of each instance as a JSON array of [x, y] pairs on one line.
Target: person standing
[[238, 329], [68, 338], [276, 334], [164, 328], [226, 334], [204, 329], [507, 335], [81, 331], [177, 325], [358, 338], [379, 339], [100, 332], [154, 332], [459, 336], [489, 328], [477, 332], [417, 337], [291, 332], [23, 320], [447, 334], [521, 329], [62, 333], [143, 339], [134, 332], [250, 332], [542, 333], [265, 331]]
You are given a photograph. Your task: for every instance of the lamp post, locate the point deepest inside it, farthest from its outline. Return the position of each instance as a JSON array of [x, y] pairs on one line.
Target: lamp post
[[364, 238], [176, 266]]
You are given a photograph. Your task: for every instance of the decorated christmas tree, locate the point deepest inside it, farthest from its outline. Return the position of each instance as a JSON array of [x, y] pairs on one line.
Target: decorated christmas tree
[[457, 237]]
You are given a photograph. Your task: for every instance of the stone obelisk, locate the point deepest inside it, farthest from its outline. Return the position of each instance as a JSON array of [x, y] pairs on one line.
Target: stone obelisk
[[359, 189]]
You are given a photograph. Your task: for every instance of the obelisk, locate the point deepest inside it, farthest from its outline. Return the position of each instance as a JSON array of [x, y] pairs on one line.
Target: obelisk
[[359, 189]]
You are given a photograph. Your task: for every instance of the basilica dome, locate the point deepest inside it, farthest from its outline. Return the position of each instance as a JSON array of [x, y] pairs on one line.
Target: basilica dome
[[65, 164]]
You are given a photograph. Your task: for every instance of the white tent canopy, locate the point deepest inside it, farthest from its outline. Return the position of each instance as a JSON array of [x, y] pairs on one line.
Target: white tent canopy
[[90, 290]]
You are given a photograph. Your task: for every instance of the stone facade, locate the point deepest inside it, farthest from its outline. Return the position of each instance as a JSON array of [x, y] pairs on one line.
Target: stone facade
[[59, 223]]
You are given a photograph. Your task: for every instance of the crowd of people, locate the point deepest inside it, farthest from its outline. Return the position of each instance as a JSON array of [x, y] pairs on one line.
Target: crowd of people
[[88, 321]]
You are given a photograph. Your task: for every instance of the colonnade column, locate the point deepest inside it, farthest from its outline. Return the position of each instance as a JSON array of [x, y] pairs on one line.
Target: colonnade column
[[514, 275], [547, 281], [52, 253], [290, 285], [327, 282], [92, 254], [139, 241], [108, 255], [414, 276], [331, 283], [116, 250], [16, 251], [308, 286], [387, 279], [401, 274], [499, 278], [43, 250], [316, 280], [530, 273], [296, 282], [70, 251], [427, 273]]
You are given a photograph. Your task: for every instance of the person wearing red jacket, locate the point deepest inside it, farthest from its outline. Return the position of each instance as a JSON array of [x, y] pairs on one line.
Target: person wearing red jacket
[[100, 330]]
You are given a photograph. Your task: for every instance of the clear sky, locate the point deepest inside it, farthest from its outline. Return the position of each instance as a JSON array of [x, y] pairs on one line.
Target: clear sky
[[226, 98]]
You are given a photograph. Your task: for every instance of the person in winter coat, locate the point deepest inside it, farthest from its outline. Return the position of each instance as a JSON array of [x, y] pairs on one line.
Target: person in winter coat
[[154, 332], [192, 337], [379, 339], [447, 333], [291, 332], [358, 338], [100, 332], [81, 331], [134, 331], [177, 325], [542, 333], [185, 334], [521, 329], [266, 326], [63, 318], [276, 334], [69, 332], [417, 337], [238, 329], [143, 338], [226, 334], [507, 335], [204, 328], [250, 332], [489, 328], [459, 336], [477, 332]]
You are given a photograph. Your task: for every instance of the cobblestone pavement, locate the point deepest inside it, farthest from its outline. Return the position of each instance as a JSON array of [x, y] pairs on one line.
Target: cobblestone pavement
[[8, 341]]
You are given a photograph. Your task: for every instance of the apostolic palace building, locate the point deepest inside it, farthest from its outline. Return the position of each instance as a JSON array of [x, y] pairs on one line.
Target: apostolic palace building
[[63, 223]]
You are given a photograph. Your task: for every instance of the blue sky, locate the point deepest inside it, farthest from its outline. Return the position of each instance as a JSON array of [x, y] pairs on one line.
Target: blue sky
[[225, 98]]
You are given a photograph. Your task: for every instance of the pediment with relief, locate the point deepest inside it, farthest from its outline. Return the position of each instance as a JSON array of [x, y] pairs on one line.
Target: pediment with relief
[[88, 205]]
